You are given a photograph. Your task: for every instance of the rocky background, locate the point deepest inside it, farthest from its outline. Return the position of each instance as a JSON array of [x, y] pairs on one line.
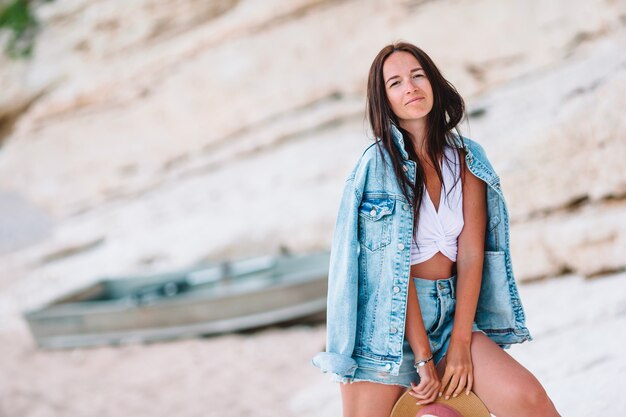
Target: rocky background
[[149, 135]]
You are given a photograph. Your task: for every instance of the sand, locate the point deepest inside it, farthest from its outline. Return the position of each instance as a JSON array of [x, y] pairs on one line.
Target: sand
[[577, 355]]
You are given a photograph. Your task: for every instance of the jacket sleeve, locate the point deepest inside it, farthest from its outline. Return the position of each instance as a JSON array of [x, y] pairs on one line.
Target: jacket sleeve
[[342, 287]]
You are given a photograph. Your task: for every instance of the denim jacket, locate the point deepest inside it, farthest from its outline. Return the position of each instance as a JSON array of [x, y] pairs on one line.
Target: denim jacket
[[370, 267]]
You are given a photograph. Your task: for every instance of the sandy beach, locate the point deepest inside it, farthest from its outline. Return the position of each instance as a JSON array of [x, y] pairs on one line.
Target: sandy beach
[[268, 373]]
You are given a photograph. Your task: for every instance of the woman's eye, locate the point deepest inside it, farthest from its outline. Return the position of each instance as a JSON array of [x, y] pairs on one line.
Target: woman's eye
[[396, 82]]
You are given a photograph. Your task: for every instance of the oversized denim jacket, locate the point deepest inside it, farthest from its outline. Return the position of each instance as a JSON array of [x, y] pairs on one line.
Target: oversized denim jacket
[[370, 267]]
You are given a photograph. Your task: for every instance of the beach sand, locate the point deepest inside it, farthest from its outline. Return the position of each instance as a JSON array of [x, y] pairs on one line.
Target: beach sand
[[577, 352]]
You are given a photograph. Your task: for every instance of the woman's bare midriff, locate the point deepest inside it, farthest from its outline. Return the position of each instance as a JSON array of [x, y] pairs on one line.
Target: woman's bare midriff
[[437, 267]]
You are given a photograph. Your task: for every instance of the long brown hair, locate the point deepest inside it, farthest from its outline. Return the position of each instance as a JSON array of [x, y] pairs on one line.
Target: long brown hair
[[447, 112]]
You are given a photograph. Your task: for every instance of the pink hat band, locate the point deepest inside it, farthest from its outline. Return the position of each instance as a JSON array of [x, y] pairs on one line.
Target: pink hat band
[[437, 410]]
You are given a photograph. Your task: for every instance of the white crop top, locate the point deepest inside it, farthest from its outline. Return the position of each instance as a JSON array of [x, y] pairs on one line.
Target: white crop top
[[438, 231]]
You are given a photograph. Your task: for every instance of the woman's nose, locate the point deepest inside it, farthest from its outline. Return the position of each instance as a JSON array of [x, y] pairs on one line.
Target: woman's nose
[[411, 86]]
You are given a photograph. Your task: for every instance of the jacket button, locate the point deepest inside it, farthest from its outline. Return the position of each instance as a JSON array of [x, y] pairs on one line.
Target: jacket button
[[388, 367], [396, 289], [393, 330], [406, 207], [373, 212], [400, 246]]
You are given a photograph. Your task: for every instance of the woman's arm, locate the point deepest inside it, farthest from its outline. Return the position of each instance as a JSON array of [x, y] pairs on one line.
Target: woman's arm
[[430, 385], [414, 328], [470, 255]]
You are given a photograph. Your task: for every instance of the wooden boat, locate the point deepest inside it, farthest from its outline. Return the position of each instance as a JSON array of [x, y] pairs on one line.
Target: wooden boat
[[204, 300]]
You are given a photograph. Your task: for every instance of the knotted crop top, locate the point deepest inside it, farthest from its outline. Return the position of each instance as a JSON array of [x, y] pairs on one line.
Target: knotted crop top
[[438, 231]]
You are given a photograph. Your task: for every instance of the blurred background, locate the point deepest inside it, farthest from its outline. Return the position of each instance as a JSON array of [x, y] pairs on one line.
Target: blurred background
[[145, 136]]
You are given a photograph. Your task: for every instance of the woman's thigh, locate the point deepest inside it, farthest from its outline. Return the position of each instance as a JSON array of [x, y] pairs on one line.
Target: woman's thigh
[[369, 399], [505, 386]]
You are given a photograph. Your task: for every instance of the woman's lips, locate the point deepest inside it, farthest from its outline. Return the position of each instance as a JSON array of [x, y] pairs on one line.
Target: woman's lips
[[415, 99]]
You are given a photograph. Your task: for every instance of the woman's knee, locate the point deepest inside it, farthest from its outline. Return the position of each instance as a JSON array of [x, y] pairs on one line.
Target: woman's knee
[[538, 399], [531, 396]]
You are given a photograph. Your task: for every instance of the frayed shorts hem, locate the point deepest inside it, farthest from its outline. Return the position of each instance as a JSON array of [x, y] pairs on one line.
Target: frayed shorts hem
[[403, 379]]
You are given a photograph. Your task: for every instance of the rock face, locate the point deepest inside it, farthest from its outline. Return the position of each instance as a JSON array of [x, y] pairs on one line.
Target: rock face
[[172, 134]]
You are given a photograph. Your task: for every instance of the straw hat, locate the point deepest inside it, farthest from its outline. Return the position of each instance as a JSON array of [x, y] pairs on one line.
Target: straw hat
[[459, 406]]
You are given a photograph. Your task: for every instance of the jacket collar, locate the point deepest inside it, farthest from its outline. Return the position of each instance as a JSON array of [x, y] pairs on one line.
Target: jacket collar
[[399, 140]]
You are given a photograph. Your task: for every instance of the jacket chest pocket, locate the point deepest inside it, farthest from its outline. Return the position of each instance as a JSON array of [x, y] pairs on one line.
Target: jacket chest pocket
[[375, 222]]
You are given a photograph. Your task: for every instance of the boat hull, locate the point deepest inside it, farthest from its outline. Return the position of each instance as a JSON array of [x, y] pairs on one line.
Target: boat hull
[[272, 295]]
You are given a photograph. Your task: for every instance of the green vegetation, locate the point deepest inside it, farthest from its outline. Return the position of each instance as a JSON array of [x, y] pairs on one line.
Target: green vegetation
[[16, 16]]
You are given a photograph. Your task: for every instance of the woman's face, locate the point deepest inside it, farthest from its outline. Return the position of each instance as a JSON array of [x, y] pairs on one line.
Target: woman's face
[[409, 92]]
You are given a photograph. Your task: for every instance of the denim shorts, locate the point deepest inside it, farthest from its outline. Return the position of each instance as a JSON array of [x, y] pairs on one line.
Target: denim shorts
[[437, 302]]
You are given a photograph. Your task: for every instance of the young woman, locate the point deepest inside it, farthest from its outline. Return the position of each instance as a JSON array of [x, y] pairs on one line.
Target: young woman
[[421, 288]]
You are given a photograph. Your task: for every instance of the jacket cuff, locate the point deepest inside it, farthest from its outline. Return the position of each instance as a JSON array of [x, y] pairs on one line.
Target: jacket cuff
[[335, 363]]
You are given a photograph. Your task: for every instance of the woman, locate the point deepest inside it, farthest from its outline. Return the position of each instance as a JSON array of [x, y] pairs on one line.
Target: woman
[[421, 289]]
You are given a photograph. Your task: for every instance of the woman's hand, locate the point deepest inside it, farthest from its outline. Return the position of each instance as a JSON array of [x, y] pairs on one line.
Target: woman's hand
[[459, 372], [427, 390]]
